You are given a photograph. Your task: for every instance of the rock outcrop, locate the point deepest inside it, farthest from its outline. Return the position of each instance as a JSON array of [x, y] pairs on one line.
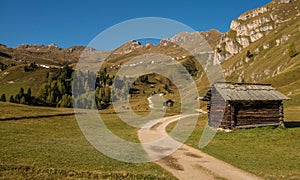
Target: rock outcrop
[[128, 47], [253, 25]]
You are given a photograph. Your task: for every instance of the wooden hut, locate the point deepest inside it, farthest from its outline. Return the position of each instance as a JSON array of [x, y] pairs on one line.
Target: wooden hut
[[244, 105]]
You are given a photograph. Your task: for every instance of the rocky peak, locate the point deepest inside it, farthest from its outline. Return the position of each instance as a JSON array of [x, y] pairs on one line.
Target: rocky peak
[[52, 45], [285, 1], [182, 37], [27, 46], [128, 47], [35, 48], [2, 45], [212, 37], [78, 49], [253, 13], [253, 25]]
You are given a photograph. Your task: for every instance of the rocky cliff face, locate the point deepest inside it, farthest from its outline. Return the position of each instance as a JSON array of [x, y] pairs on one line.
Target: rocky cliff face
[[253, 25], [48, 55], [129, 47]]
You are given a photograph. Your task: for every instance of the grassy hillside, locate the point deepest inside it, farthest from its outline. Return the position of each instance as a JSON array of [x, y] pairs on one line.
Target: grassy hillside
[[46, 58], [12, 110], [270, 61], [41, 54], [12, 79]]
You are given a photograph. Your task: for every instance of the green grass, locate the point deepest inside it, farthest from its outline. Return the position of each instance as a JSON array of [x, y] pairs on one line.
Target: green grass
[[267, 152], [272, 65], [16, 78], [292, 114], [272, 153], [55, 148], [10, 110]]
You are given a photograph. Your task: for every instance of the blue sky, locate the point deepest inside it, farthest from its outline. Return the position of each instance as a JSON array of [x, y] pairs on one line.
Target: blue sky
[[71, 22]]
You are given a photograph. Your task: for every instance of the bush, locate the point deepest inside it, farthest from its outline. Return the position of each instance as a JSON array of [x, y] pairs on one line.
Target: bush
[[3, 98], [292, 51], [249, 54], [11, 99]]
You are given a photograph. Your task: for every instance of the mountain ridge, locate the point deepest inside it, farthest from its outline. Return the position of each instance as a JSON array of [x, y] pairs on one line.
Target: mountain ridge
[[257, 48], [253, 25]]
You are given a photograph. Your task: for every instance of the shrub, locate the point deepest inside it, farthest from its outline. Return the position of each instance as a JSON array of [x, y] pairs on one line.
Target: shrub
[[249, 54], [3, 98], [292, 50]]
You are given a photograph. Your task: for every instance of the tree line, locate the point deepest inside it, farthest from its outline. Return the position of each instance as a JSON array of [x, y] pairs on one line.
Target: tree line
[[90, 90], [21, 97], [94, 90], [68, 88]]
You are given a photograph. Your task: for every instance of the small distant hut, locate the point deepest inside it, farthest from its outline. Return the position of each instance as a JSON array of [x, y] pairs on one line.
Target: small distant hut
[[169, 103], [244, 105]]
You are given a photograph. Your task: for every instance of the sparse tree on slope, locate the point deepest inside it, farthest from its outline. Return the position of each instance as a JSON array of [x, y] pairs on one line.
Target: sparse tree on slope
[[3, 98]]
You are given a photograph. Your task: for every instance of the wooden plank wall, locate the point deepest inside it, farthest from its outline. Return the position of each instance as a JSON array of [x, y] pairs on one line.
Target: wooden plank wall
[[258, 112], [216, 108], [235, 114], [227, 122]]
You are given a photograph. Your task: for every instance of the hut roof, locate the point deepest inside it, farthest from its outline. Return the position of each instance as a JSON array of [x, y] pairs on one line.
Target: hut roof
[[246, 92]]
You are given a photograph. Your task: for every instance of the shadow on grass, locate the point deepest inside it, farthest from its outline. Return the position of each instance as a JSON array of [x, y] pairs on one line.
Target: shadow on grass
[[291, 124], [38, 116]]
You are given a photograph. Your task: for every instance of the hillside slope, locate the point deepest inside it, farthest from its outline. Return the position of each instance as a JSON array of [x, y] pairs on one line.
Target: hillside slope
[[262, 45], [28, 66], [254, 25], [274, 59]]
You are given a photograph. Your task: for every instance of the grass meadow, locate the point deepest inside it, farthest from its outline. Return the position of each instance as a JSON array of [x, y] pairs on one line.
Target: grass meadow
[[54, 148], [271, 153]]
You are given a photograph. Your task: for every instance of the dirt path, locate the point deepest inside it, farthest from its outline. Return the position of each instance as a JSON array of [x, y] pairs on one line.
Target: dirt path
[[186, 162]]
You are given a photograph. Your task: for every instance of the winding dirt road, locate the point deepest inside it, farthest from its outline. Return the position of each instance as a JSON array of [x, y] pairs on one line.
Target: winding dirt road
[[184, 162]]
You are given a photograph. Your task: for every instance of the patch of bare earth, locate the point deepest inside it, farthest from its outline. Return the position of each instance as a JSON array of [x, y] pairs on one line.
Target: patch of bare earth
[[186, 162]]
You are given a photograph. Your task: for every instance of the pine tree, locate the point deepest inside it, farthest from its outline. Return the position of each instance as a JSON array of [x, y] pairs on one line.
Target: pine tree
[[11, 99], [22, 100], [3, 98], [107, 93], [29, 92], [292, 50], [69, 102], [43, 92], [249, 54], [66, 101], [21, 92], [78, 102], [28, 97], [144, 79], [26, 68], [33, 65], [86, 86], [17, 98], [61, 87], [166, 87], [114, 96]]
